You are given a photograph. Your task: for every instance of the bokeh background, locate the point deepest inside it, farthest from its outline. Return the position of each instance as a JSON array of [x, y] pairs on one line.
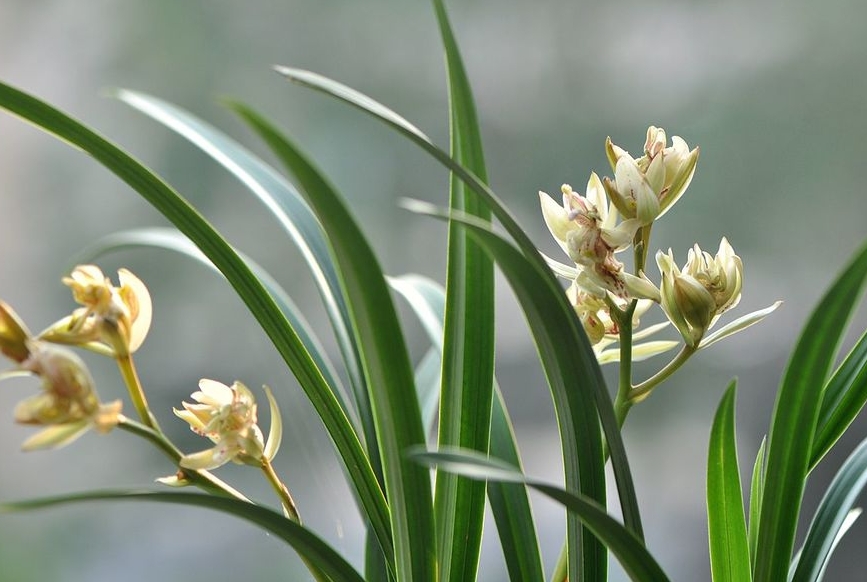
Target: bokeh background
[[774, 92]]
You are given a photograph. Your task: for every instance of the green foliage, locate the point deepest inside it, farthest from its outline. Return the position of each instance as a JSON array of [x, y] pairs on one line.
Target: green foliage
[[380, 426]]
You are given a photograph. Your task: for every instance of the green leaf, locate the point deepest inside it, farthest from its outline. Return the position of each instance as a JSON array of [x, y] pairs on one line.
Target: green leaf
[[248, 287], [294, 216], [626, 547], [831, 516], [757, 484], [790, 444], [468, 348], [171, 240], [623, 477], [573, 376], [844, 397], [510, 504], [727, 530], [384, 355], [310, 547]]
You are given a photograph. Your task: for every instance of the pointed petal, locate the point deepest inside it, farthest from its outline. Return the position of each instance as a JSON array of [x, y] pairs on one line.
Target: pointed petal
[[680, 181], [556, 218], [144, 308], [737, 325], [56, 436], [275, 434], [560, 269]]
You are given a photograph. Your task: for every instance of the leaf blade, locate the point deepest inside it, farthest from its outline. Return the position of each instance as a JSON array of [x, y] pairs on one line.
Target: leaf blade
[[727, 529]]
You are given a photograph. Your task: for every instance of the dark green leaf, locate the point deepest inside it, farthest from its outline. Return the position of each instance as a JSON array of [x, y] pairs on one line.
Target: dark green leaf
[[844, 397], [727, 529], [385, 360], [626, 547], [468, 348], [790, 444], [306, 543]]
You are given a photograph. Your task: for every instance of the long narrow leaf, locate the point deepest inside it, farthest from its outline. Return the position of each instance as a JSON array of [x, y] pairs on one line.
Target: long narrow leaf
[[384, 356], [510, 504], [177, 210], [638, 563], [294, 216], [790, 444], [468, 348], [844, 397], [757, 485], [831, 516], [727, 529], [306, 543], [622, 474], [573, 376]]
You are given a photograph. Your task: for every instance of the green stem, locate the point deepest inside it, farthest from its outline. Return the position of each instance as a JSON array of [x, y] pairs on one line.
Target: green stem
[[204, 480], [623, 318], [642, 390], [136, 392], [282, 491]]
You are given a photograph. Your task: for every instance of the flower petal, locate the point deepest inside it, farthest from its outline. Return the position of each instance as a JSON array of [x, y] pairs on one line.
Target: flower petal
[[737, 325]]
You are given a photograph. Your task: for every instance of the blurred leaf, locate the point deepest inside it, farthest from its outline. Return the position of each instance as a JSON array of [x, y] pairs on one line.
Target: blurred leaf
[[248, 287], [468, 347], [831, 516], [295, 217], [626, 547], [757, 484], [727, 530], [305, 542], [793, 427], [384, 355], [844, 397], [623, 477]]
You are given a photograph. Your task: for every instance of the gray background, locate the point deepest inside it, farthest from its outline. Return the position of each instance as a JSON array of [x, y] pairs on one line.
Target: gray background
[[773, 92]]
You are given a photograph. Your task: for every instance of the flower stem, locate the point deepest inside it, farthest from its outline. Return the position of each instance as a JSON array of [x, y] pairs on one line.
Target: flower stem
[[136, 392], [642, 390], [282, 491], [623, 318], [204, 480]]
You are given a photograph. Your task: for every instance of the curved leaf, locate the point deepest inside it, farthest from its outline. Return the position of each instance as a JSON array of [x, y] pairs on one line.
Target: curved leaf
[[831, 516], [177, 210], [727, 529], [844, 397], [623, 477], [626, 547], [385, 360], [790, 444], [295, 217], [757, 484], [310, 547]]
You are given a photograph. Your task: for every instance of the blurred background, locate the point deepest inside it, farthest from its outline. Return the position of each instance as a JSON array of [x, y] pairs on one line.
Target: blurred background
[[775, 94]]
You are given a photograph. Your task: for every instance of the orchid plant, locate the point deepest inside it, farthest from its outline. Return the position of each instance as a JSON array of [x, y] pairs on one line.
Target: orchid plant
[[419, 529]]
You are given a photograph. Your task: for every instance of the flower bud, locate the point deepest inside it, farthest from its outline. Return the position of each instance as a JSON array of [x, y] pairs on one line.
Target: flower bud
[[646, 187], [13, 335], [708, 286]]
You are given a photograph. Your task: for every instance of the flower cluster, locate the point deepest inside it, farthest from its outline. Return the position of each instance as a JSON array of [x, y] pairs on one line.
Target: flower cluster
[[616, 214]]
